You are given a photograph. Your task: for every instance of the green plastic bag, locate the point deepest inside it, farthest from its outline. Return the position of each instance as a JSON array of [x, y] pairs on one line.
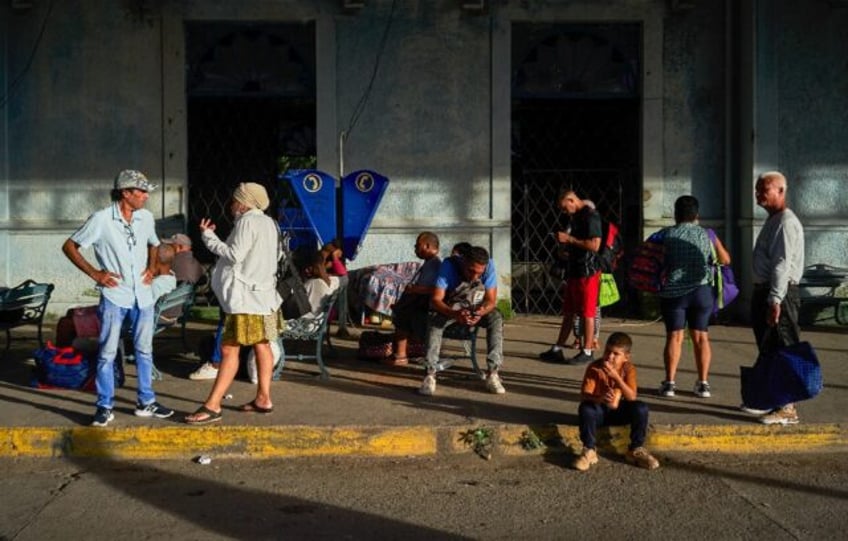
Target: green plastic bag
[[609, 290]]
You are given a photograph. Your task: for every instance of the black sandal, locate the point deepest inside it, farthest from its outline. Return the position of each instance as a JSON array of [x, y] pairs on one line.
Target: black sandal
[[211, 416]]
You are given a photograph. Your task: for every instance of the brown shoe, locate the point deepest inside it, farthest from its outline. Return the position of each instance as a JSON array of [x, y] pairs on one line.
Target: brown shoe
[[642, 458], [586, 459]]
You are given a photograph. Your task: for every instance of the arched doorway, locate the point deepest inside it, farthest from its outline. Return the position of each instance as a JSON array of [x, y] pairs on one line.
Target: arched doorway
[[251, 111]]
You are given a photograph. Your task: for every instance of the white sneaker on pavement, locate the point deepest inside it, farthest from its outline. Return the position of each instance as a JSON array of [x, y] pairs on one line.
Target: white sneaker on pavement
[[428, 386], [493, 384], [206, 371], [753, 411]]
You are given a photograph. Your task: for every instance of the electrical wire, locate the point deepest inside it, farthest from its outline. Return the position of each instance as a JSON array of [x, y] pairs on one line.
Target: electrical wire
[[17, 81], [360, 106]]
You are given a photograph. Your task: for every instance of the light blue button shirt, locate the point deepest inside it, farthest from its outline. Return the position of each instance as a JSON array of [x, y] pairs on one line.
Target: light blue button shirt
[[121, 248]]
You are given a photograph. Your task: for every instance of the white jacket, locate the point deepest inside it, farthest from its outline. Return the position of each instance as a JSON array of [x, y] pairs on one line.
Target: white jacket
[[245, 276]]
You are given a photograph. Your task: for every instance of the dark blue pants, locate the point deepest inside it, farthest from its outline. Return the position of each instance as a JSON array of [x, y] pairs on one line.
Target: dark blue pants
[[591, 416]]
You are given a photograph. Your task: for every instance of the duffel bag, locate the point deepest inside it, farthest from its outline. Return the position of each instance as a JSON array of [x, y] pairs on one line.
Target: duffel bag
[[63, 367]]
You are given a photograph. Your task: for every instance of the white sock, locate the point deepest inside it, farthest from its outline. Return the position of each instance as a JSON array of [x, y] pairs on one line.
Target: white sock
[[587, 351], [555, 348]]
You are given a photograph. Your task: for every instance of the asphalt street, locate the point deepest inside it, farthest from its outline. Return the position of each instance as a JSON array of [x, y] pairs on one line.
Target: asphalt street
[[692, 496]]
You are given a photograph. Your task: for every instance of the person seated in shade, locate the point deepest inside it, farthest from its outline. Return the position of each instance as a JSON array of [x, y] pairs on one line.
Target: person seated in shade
[[317, 282], [165, 279], [465, 296], [608, 398], [185, 266], [409, 314]]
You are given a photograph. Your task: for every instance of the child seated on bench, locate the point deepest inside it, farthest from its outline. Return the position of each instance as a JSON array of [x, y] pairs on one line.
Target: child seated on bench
[[317, 282]]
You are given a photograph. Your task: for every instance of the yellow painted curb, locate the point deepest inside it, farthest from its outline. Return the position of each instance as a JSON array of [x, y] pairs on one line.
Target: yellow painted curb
[[747, 438], [303, 441], [696, 438], [219, 441]]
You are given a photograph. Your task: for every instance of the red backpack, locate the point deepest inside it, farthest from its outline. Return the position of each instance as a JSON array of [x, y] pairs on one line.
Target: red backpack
[[645, 270]]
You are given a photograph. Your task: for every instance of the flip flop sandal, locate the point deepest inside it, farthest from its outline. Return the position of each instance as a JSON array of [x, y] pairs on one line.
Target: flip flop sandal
[[211, 416], [396, 361], [252, 407]]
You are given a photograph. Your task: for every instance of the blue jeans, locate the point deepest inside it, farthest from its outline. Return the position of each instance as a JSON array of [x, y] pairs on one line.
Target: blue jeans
[[112, 319], [492, 322], [591, 416], [219, 337]]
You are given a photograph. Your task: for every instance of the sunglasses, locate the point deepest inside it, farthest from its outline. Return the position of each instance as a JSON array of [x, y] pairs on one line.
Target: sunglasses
[[131, 240]]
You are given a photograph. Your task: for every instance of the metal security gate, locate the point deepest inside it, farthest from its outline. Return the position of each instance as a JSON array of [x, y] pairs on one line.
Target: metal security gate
[[575, 124], [536, 216]]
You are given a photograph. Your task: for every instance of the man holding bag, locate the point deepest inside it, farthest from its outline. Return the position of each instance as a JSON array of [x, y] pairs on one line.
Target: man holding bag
[[778, 264]]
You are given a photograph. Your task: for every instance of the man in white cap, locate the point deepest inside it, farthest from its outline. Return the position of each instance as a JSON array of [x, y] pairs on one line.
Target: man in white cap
[[124, 239]]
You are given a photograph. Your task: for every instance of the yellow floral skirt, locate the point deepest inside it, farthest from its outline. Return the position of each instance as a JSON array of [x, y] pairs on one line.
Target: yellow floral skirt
[[250, 329]]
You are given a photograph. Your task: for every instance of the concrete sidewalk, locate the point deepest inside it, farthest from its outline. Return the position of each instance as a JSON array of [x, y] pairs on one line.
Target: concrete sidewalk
[[368, 409]]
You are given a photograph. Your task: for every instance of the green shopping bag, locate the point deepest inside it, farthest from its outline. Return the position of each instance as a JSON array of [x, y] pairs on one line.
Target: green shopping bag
[[609, 290]]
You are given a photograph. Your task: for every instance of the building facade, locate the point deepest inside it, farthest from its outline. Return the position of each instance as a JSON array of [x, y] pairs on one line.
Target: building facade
[[478, 111]]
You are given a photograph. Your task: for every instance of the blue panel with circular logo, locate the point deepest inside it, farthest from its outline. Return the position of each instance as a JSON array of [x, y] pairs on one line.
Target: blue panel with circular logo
[[361, 194], [313, 213]]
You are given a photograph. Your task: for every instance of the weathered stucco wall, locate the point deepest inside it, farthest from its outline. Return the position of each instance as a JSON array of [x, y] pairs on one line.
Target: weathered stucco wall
[[813, 122], [426, 120], [693, 66], [87, 107], [105, 92]]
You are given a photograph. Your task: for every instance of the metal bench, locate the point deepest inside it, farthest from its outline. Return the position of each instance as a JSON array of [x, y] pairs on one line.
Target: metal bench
[[174, 308], [468, 335], [820, 284], [24, 304], [311, 327]]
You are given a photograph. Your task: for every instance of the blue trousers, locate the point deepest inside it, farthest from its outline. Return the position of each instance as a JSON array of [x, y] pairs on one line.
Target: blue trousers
[[592, 416], [111, 322]]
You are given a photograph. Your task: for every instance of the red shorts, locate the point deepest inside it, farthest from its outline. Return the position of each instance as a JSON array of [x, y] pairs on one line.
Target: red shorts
[[581, 295]]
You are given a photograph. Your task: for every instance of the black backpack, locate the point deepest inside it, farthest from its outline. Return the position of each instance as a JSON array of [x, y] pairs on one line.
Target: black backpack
[[290, 286], [612, 248]]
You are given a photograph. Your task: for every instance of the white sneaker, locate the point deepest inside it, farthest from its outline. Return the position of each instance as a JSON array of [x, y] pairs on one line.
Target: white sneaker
[[206, 371], [753, 411], [702, 389], [667, 388], [494, 385], [428, 386]]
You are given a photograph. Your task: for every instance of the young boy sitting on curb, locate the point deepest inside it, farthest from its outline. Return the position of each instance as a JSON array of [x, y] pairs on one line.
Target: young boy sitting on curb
[[609, 398]]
